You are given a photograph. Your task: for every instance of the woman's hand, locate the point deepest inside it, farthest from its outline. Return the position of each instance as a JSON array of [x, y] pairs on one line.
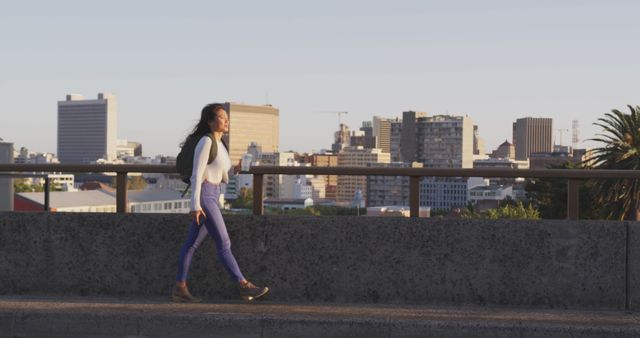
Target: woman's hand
[[236, 168], [195, 215]]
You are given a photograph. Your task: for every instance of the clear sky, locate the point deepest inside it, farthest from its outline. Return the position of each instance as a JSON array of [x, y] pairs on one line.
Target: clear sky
[[494, 61]]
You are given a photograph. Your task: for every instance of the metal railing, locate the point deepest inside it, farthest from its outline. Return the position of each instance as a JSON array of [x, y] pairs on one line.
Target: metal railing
[[573, 177], [121, 170], [45, 207]]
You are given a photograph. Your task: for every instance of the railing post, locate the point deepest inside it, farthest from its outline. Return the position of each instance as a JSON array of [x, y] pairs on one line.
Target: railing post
[[258, 207], [414, 196], [47, 187], [573, 199], [121, 192]]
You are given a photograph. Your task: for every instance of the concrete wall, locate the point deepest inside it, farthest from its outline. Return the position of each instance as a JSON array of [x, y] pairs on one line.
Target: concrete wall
[[6, 183], [557, 264]]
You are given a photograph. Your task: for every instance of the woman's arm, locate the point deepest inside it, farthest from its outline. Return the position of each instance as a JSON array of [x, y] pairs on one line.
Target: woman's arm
[[200, 159]]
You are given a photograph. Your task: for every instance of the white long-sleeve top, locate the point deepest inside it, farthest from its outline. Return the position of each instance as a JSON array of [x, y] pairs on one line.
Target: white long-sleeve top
[[215, 172]]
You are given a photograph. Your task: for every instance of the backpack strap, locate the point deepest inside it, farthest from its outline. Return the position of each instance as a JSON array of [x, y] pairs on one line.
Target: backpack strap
[[214, 148], [186, 189]]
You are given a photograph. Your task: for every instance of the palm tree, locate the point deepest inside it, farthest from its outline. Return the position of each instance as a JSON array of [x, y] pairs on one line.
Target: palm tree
[[621, 150]]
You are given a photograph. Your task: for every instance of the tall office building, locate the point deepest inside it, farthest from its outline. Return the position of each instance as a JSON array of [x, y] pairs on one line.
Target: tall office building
[[532, 135], [444, 141], [408, 136], [87, 129], [389, 190], [382, 132], [251, 123], [357, 157], [331, 181], [478, 142], [395, 137]]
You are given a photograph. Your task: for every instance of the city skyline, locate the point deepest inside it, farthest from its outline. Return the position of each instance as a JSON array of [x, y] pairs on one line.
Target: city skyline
[[494, 61]]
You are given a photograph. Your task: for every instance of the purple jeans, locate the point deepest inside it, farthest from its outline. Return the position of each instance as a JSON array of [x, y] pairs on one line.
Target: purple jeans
[[213, 225]]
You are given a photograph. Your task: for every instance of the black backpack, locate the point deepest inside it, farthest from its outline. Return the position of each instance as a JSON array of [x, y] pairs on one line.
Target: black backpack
[[184, 161]]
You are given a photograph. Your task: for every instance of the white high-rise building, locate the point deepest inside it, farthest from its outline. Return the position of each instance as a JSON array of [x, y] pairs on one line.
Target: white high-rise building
[[87, 129], [273, 183]]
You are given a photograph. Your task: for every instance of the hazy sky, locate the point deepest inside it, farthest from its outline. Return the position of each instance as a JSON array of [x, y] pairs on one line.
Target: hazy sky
[[494, 61]]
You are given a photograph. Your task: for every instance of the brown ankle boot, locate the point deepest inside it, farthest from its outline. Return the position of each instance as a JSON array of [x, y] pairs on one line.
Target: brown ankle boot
[[182, 295]]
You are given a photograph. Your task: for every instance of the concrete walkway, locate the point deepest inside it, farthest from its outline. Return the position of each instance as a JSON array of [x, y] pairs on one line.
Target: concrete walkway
[[22, 316]]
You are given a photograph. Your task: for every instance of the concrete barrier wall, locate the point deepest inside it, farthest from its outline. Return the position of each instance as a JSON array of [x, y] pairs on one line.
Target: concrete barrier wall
[[554, 263]]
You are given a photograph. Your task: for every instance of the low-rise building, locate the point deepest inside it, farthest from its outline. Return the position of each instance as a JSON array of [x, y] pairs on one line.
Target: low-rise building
[[396, 211], [489, 196], [443, 193], [548, 159], [67, 201], [288, 203], [104, 200]]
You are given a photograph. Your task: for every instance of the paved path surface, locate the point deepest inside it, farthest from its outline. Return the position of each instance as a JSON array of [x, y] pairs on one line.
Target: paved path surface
[[22, 316]]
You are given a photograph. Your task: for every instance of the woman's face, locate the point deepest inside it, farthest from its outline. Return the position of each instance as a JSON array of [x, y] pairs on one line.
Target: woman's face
[[221, 123]]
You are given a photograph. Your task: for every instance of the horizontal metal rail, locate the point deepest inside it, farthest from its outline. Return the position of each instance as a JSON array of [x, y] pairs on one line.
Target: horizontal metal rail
[[481, 172], [121, 170], [46, 187], [573, 176], [91, 168]]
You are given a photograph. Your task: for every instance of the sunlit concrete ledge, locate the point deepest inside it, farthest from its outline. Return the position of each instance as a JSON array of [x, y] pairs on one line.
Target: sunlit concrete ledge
[[534, 264], [113, 317]]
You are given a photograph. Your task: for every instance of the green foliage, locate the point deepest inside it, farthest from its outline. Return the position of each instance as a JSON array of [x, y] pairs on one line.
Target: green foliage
[[244, 199], [19, 185], [439, 213], [549, 195], [133, 183], [512, 210], [620, 198], [136, 183], [328, 210], [316, 210], [519, 211]]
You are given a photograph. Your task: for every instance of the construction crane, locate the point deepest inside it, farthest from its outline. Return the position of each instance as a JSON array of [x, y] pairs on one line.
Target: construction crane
[[340, 113]]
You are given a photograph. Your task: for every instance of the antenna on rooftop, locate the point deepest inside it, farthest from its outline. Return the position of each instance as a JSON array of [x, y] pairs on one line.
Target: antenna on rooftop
[[560, 130], [575, 127], [340, 113]]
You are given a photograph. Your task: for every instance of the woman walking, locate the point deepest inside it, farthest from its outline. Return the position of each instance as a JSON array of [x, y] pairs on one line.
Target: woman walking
[[211, 165]]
